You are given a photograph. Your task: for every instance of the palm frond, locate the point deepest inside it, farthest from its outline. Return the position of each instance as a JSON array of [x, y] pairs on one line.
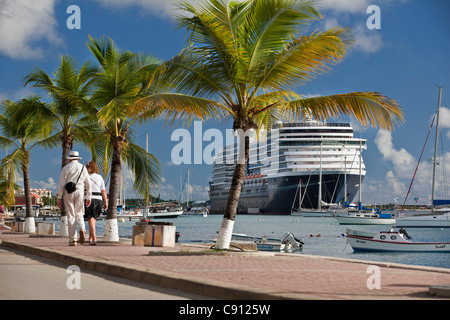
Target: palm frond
[[303, 59], [269, 25], [145, 166], [369, 108], [188, 73], [173, 107]]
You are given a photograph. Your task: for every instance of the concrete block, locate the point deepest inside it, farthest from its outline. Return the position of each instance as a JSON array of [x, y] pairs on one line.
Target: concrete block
[[137, 237], [18, 226], [159, 236], [45, 228]]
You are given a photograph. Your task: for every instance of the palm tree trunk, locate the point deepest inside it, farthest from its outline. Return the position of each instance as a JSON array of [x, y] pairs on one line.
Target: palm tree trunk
[[66, 144], [29, 216], [226, 229], [116, 170], [111, 228]]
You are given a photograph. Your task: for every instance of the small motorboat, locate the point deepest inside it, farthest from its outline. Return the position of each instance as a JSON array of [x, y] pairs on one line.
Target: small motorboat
[[288, 243], [391, 241]]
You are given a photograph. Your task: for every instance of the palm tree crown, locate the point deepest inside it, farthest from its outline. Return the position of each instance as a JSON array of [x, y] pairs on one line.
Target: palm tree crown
[[69, 90], [22, 130]]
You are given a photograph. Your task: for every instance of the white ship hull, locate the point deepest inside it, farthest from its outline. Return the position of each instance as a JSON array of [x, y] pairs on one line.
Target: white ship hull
[[352, 220], [426, 221], [167, 214], [366, 244], [311, 213]]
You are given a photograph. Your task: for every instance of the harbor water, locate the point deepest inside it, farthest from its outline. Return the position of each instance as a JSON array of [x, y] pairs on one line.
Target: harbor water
[[322, 236]]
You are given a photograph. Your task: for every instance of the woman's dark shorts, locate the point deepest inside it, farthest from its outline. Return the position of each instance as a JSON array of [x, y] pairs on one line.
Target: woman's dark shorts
[[94, 210]]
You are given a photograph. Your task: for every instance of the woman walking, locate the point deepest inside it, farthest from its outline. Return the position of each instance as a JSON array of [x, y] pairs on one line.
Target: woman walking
[[98, 194]]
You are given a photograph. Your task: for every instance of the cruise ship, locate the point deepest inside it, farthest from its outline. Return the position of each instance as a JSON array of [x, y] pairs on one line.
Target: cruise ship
[[288, 167]]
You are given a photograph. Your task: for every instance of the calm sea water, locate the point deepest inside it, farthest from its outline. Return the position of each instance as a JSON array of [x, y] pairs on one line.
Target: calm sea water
[[330, 243]]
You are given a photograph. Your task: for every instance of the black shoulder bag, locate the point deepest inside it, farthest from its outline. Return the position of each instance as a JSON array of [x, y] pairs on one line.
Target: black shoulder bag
[[71, 186]]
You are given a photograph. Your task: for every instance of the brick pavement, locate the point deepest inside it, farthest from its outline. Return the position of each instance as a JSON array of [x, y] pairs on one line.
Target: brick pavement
[[239, 275]]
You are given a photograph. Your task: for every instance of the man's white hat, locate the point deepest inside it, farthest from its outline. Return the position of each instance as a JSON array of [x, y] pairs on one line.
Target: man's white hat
[[74, 155]]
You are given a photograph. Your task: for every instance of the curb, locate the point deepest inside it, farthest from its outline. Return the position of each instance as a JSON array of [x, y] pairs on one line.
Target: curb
[[440, 291]]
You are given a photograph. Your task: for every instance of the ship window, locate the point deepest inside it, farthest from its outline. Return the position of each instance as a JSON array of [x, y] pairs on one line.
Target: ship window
[[383, 237], [393, 237]]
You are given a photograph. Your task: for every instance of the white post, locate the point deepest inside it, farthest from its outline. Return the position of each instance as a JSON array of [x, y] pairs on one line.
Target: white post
[[64, 227], [30, 226], [111, 231], [225, 233]]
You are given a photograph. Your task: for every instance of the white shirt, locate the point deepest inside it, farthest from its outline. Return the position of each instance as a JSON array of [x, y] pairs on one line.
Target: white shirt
[[70, 172], [97, 185]]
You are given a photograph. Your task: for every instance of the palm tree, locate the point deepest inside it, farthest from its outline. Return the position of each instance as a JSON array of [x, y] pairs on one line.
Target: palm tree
[[7, 189], [69, 90], [119, 84], [128, 90], [249, 56], [22, 131]]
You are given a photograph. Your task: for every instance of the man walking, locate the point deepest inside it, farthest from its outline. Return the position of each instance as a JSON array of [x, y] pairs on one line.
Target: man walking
[[75, 173]]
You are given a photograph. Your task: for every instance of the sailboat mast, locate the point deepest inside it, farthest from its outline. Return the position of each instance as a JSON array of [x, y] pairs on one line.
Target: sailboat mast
[[360, 174], [435, 151], [188, 190], [345, 182], [319, 204], [147, 189]]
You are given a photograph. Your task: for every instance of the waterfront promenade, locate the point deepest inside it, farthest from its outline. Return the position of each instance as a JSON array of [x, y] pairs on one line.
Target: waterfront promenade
[[240, 275]]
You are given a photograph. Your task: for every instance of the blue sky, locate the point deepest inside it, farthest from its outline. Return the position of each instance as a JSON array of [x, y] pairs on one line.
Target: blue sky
[[406, 60]]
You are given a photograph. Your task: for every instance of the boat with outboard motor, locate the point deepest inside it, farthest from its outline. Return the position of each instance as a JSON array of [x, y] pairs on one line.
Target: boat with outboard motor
[[391, 241], [287, 243]]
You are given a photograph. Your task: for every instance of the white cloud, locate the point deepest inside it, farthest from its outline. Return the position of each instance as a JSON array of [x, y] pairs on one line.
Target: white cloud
[[396, 186], [16, 94], [404, 163], [345, 6], [366, 40], [354, 15], [444, 118], [397, 181], [159, 7], [50, 184], [23, 23]]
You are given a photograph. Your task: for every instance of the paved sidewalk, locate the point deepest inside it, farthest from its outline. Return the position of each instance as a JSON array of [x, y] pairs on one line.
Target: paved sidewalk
[[243, 275]]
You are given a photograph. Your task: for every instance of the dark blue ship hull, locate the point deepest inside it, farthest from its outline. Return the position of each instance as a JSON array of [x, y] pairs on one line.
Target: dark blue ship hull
[[278, 196]]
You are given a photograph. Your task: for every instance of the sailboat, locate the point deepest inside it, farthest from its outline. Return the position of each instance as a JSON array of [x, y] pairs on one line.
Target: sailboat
[[319, 212], [436, 217], [361, 215]]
